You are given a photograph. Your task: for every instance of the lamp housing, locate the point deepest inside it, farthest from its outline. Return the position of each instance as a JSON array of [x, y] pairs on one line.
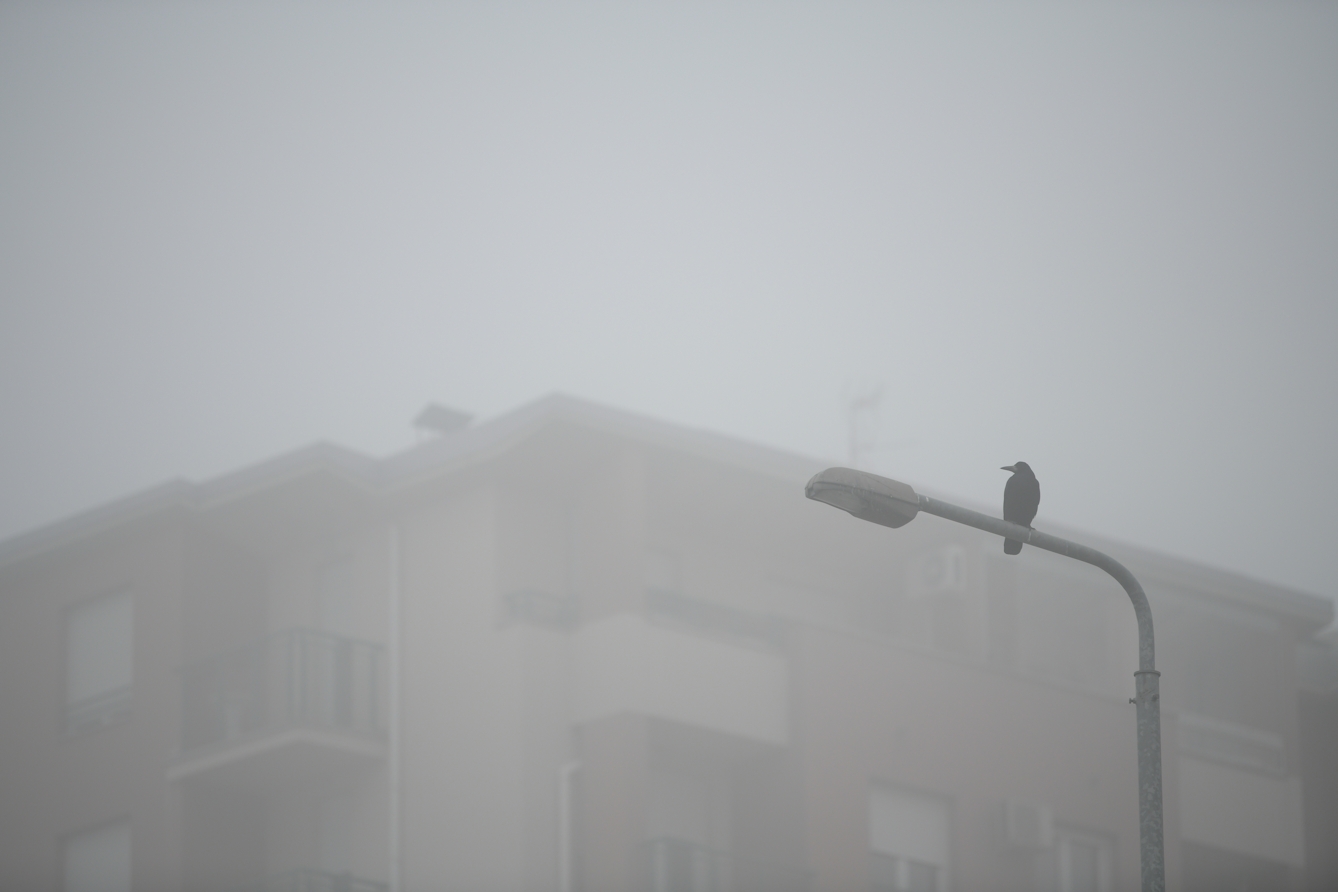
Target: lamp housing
[[880, 500]]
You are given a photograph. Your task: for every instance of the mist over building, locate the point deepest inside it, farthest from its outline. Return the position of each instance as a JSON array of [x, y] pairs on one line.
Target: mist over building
[[574, 649]]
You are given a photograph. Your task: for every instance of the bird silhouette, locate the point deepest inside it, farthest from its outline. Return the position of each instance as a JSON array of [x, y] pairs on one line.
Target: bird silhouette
[[1022, 496]]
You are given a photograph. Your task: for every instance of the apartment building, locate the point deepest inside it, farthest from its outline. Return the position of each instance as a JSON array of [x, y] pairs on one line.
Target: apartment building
[[578, 650]]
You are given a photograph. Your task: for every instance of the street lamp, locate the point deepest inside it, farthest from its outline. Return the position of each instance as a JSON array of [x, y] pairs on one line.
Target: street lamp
[[895, 504]]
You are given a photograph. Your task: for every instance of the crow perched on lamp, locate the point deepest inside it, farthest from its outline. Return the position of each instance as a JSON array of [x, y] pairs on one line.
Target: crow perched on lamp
[[1022, 496]]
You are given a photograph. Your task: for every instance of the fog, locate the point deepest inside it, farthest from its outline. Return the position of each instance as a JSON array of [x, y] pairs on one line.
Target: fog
[[1096, 238], [741, 243]]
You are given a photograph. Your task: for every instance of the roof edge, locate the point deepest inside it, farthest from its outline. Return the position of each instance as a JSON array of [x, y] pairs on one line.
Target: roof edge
[[450, 453], [126, 509]]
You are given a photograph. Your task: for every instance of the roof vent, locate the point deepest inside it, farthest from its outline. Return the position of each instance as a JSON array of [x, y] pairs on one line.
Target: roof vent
[[437, 419]]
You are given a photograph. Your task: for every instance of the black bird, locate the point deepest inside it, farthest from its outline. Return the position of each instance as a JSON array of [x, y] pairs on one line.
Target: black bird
[[1022, 496]]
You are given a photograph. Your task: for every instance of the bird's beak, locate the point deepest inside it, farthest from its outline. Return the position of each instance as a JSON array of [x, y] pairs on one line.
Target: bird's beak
[[1012, 468]]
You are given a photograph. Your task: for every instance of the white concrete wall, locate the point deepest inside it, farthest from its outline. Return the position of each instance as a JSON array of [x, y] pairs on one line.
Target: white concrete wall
[[463, 777]]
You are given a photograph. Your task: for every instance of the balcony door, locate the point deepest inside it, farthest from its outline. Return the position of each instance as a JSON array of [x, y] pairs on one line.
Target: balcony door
[[908, 836], [688, 833]]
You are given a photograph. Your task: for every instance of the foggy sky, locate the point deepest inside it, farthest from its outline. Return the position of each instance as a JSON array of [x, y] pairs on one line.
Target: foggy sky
[[1101, 238]]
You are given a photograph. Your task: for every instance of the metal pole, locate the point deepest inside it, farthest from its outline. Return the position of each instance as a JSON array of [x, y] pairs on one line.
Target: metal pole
[[1146, 679]]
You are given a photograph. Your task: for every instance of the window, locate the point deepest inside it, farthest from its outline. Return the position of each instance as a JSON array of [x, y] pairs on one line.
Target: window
[[945, 569], [1237, 658], [908, 836], [1048, 621], [940, 610], [99, 658], [1084, 862], [893, 874], [1210, 869], [337, 597], [98, 860], [688, 818]]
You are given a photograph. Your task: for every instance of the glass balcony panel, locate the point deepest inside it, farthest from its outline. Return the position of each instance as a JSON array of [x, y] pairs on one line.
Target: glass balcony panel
[[305, 880], [297, 677]]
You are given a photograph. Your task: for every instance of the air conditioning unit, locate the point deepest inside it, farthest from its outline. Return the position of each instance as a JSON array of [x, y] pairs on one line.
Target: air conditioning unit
[[945, 569], [1028, 826]]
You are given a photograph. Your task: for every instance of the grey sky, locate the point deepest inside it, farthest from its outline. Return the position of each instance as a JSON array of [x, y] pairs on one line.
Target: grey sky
[[1102, 238]]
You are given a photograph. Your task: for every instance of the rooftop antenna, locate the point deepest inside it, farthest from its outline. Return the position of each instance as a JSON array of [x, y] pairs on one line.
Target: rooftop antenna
[[862, 421]]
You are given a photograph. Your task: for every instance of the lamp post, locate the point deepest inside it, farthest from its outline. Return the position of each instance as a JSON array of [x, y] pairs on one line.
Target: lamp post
[[895, 504]]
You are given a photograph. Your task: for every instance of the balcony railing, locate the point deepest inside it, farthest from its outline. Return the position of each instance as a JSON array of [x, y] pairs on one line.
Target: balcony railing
[[304, 880], [715, 617], [295, 678], [1234, 744], [101, 709], [677, 865]]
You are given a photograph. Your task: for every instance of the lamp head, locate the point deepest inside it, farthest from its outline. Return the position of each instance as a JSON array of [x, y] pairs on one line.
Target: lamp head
[[866, 496]]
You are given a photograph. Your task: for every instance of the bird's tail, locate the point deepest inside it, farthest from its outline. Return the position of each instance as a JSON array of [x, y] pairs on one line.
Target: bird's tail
[[1012, 546]]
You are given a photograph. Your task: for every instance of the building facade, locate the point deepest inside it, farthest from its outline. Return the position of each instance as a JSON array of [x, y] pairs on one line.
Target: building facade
[[576, 650]]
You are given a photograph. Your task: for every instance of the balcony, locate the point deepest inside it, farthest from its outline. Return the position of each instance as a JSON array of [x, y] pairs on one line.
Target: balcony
[[291, 705], [305, 880], [1232, 744], [97, 711], [652, 666], [678, 865]]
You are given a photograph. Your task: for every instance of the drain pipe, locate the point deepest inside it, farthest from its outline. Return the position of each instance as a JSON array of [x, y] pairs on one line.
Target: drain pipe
[[566, 839], [393, 717]]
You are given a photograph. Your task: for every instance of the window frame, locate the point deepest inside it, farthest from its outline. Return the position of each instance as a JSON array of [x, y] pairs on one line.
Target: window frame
[[106, 708], [1065, 837], [901, 861], [69, 838]]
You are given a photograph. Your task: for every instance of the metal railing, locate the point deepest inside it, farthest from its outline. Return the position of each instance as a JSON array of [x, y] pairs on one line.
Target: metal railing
[[101, 709], [297, 677], [707, 615], [1233, 744], [306, 880], [677, 865]]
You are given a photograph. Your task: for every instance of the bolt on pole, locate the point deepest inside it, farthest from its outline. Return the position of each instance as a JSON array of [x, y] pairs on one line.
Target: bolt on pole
[[894, 504]]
